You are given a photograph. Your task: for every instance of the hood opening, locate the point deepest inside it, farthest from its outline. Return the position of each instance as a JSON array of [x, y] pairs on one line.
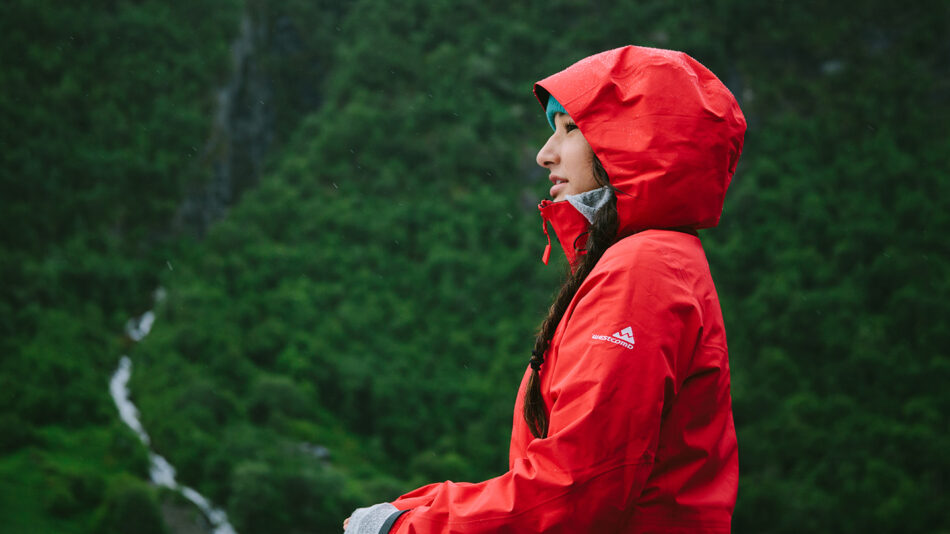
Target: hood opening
[[667, 131]]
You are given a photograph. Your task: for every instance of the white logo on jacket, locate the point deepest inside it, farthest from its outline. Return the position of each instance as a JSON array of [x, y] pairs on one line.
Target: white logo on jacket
[[624, 338]]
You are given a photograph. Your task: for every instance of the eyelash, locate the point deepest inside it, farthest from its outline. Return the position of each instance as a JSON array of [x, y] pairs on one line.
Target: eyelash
[[570, 126]]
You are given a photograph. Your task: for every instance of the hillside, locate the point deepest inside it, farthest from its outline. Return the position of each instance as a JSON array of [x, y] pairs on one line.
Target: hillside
[[350, 247]]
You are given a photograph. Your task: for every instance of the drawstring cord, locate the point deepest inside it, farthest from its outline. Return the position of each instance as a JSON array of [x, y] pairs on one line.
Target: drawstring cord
[[583, 248]]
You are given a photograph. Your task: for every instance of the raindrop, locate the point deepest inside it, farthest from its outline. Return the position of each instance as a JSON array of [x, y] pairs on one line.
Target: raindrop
[[334, 185], [169, 264]]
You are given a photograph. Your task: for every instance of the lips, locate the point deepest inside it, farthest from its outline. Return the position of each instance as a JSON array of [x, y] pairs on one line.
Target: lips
[[560, 184]]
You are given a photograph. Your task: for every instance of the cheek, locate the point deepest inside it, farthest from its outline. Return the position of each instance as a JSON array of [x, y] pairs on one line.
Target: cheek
[[590, 182], [583, 159], [584, 168]]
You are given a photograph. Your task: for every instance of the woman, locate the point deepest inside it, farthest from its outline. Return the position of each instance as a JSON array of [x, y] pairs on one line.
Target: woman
[[623, 422]]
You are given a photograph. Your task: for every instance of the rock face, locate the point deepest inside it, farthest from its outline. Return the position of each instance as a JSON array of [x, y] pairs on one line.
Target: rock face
[[277, 65], [241, 133], [181, 519]]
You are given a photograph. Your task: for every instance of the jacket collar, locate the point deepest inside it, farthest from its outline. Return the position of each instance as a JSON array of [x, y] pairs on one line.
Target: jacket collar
[[570, 226]]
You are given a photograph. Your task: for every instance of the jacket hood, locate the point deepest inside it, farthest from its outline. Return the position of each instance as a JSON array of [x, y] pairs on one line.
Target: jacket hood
[[666, 130]]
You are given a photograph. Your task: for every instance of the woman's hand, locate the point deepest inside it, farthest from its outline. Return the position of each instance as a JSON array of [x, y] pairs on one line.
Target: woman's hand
[[345, 523]]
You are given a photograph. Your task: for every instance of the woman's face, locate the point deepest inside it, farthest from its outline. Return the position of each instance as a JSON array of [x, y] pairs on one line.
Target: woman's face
[[569, 160]]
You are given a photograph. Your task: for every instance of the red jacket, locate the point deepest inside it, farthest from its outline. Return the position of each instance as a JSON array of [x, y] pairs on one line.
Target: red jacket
[[636, 381]]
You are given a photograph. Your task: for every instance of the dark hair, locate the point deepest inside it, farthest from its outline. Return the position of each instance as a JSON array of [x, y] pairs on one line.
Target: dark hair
[[602, 234]]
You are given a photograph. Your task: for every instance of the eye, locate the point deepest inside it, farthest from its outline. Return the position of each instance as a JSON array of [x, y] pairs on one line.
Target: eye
[[570, 126]]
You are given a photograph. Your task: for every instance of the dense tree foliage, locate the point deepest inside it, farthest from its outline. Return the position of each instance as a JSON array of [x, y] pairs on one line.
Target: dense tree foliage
[[358, 322], [104, 111]]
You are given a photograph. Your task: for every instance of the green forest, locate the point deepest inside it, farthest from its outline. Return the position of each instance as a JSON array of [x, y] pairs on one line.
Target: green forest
[[331, 209]]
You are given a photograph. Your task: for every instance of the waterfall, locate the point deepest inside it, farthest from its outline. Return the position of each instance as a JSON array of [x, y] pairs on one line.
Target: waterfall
[[161, 471]]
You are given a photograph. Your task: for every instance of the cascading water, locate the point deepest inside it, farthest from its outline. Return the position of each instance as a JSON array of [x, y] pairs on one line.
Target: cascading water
[[160, 471]]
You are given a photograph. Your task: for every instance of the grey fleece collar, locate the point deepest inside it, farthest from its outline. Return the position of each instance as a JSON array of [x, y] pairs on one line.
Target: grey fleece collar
[[589, 202]]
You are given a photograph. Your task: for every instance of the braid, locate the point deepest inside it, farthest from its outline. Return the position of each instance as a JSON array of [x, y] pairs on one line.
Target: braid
[[603, 232]]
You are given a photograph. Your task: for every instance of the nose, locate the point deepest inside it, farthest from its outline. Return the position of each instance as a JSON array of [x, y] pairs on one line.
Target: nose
[[548, 155]]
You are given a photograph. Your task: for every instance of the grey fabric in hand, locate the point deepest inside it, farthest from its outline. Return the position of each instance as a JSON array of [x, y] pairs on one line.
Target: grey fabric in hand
[[369, 520]]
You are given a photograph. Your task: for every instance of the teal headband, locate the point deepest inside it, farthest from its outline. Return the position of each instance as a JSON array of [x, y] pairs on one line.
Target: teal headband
[[554, 107]]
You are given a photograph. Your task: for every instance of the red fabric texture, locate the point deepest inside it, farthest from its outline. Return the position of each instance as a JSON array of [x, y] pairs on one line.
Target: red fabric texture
[[636, 381]]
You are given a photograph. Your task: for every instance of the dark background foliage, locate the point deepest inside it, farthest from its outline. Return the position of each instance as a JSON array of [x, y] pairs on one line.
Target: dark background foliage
[[339, 201]]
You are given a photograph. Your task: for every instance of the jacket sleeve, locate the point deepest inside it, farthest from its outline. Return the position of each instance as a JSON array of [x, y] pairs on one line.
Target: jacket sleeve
[[606, 396]]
